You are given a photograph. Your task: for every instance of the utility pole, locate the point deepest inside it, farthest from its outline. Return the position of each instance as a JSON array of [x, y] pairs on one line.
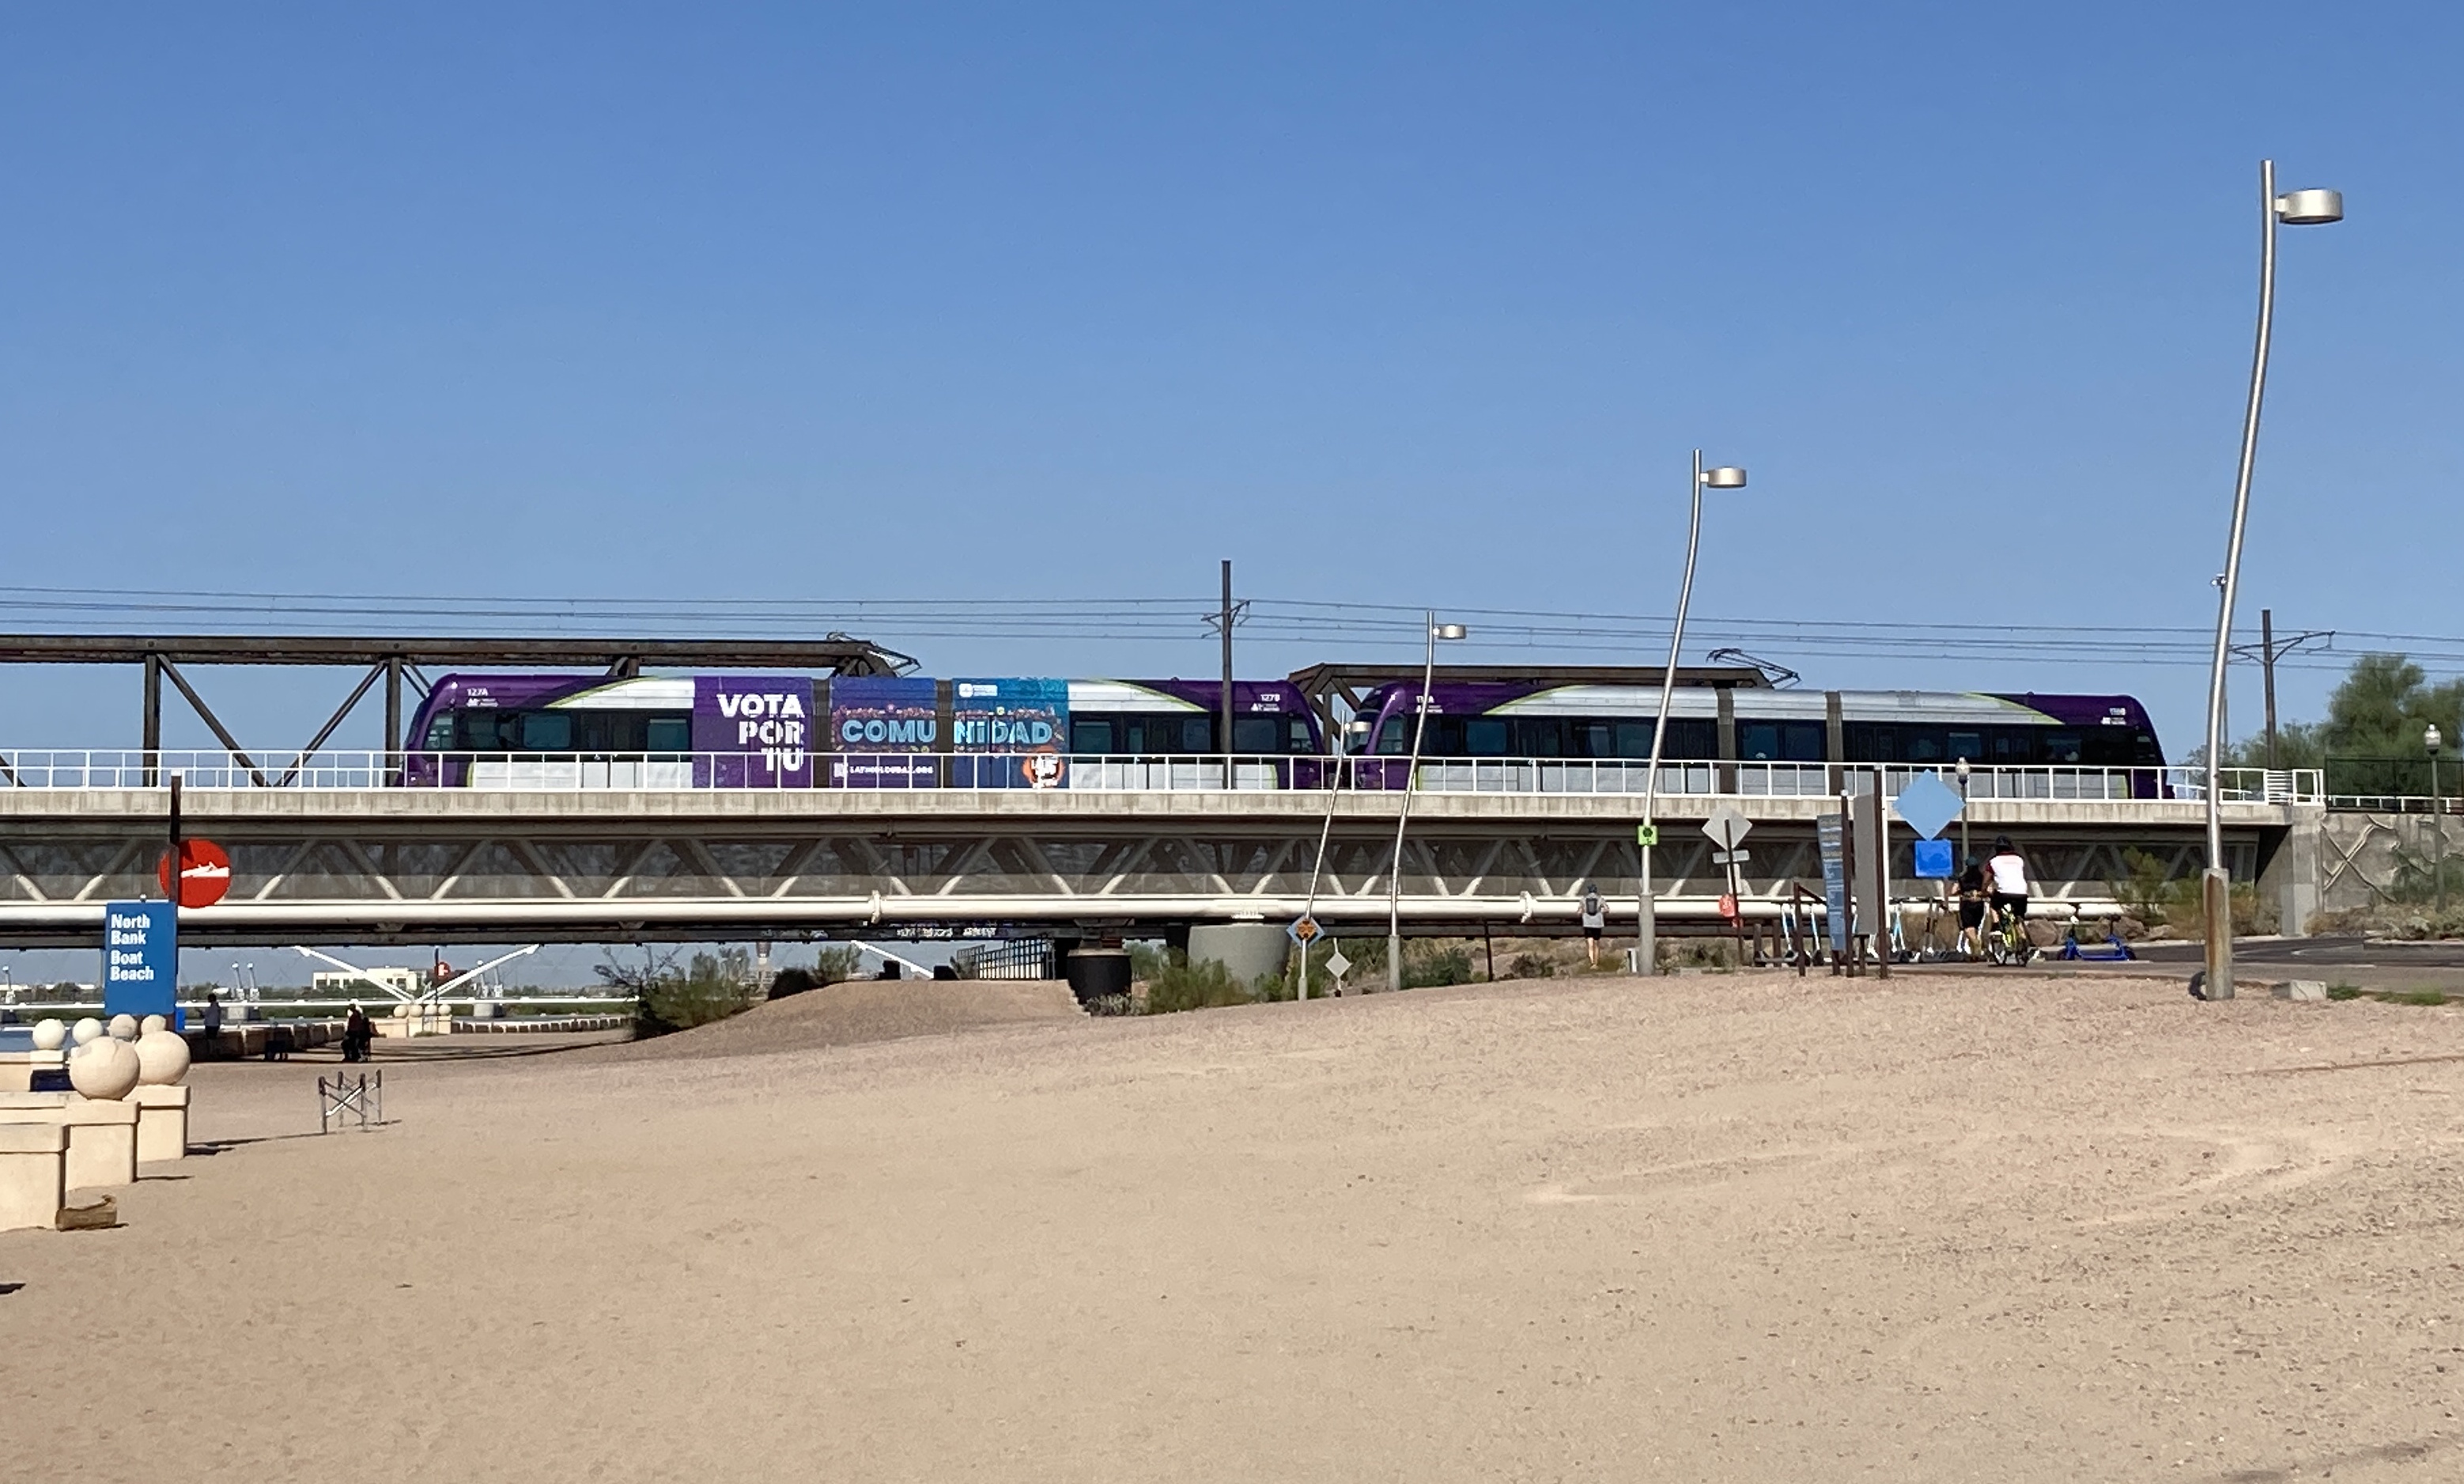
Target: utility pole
[[1223, 618], [2271, 649], [2267, 667]]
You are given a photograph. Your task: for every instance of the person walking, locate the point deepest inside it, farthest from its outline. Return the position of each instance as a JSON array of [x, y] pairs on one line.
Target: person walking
[[358, 1030], [1971, 909], [1596, 921]]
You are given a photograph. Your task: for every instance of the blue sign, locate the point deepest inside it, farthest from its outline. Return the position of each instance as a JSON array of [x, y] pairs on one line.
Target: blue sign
[[1928, 804], [141, 958], [1831, 835], [1933, 860]]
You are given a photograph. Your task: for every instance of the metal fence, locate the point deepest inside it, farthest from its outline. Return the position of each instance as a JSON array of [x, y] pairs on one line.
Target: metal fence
[[367, 771]]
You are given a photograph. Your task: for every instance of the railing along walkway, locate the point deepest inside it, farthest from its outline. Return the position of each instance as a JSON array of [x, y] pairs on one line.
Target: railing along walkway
[[987, 772]]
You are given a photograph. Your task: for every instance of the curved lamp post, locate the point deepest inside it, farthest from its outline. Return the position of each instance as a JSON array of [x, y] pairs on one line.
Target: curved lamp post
[[1403, 816], [1647, 908], [2298, 209]]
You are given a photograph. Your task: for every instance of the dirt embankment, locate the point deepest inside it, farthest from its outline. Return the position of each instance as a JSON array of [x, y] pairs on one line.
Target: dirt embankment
[[866, 1010]]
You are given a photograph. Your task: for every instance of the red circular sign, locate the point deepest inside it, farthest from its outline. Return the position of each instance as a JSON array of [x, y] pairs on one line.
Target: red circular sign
[[205, 873]]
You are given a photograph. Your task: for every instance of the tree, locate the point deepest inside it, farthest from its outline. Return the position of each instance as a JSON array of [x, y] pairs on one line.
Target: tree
[[2370, 742]]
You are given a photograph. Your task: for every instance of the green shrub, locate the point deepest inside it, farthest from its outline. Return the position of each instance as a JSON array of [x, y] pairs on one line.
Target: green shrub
[[712, 987], [1181, 985]]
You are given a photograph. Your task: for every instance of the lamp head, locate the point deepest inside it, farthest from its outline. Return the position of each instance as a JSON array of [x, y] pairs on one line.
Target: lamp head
[[1450, 631], [1963, 767], [1725, 478], [2431, 740], [2310, 207]]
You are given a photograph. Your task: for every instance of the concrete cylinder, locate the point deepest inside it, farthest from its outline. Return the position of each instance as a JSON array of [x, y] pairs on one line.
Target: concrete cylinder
[[1250, 951]]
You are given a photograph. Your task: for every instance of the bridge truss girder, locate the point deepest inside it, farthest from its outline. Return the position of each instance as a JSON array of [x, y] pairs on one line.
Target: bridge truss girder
[[386, 881]]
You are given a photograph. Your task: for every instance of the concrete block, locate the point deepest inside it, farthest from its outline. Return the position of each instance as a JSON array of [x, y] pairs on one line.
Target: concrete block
[[16, 1071], [2301, 988], [162, 1122], [101, 1135], [33, 1175]]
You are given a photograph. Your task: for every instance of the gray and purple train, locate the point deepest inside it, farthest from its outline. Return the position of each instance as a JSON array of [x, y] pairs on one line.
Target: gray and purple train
[[910, 731]]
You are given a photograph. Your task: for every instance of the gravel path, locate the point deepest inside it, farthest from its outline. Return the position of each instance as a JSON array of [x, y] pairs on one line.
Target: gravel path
[[1724, 1227]]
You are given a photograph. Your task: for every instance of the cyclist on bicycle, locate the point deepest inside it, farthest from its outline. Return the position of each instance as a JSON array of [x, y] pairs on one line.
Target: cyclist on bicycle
[[2007, 873]]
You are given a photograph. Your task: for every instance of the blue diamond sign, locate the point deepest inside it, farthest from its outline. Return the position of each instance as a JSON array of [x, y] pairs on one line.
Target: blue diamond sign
[[1928, 804]]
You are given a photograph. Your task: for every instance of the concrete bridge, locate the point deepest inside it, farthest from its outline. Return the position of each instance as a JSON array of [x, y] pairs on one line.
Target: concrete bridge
[[368, 864]]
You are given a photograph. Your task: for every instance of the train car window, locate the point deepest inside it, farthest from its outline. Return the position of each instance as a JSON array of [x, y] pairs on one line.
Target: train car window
[[1968, 746], [2144, 745], [1802, 742], [1302, 743], [2060, 746], [547, 731], [440, 732], [2013, 749], [668, 734], [1871, 742], [1633, 739], [1198, 733], [1757, 741], [2107, 748], [490, 732], [1595, 739], [1390, 740], [1921, 744], [1094, 739], [1485, 736], [1539, 737], [1253, 733]]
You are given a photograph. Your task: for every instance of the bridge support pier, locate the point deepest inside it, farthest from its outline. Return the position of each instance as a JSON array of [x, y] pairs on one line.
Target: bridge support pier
[[2289, 878]]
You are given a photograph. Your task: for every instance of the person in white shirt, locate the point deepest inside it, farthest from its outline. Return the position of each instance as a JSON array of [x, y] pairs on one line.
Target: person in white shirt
[[2006, 874]]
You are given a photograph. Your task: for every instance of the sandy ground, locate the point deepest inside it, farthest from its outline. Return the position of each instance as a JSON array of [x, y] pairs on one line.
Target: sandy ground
[[1721, 1229]]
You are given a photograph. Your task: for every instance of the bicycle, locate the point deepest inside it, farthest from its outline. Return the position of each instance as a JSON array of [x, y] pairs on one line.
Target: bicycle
[[2006, 939]]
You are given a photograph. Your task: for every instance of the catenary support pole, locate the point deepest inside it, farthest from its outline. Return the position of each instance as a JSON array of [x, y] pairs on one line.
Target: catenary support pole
[[1224, 617]]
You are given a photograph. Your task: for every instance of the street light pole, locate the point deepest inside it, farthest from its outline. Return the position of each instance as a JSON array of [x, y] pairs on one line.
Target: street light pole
[[1403, 815], [1646, 905], [2301, 209]]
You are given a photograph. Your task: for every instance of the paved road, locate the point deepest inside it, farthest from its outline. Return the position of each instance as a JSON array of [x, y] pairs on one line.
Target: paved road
[[2350, 951]]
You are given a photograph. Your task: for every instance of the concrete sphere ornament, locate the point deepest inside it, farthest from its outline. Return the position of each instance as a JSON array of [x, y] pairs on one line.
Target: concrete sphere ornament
[[51, 1034], [123, 1027], [86, 1029], [162, 1058], [105, 1071], [151, 1024]]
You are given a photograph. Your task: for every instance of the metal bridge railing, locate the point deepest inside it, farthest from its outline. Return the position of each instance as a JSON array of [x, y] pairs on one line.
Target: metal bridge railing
[[359, 770]]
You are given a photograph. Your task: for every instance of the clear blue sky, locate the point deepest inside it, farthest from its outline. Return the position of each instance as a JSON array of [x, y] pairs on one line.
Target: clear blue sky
[[1413, 304]]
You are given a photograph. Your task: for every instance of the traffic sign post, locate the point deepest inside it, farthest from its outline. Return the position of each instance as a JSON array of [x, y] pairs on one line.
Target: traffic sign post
[[1303, 931], [1727, 826], [195, 873]]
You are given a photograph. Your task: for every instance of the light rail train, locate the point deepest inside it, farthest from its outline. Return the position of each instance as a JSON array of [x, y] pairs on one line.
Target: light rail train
[[910, 731]]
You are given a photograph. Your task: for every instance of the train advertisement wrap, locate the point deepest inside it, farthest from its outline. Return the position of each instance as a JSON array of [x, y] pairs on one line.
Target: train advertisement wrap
[[883, 732], [752, 732], [1010, 733]]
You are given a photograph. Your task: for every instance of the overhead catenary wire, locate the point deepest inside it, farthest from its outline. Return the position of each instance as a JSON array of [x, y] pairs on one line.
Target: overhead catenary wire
[[1172, 619]]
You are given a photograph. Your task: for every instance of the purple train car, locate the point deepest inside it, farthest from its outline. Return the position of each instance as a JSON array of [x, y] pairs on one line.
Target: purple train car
[[878, 731], [1785, 740]]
